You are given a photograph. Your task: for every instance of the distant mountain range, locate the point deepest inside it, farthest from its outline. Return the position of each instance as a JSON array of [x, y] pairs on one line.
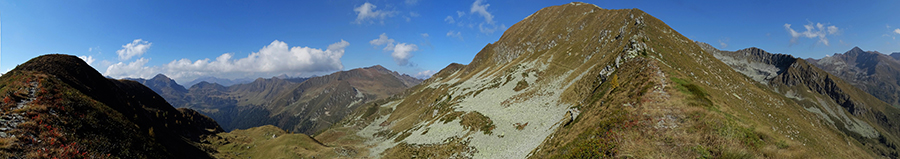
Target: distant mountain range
[[220, 81], [304, 105]]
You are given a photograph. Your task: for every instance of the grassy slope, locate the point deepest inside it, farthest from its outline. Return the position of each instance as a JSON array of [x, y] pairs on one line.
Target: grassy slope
[[614, 83], [673, 99]]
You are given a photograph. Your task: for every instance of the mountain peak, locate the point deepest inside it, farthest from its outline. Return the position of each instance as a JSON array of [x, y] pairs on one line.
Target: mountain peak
[[377, 67], [59, 65], [855, 50], [161, 77]]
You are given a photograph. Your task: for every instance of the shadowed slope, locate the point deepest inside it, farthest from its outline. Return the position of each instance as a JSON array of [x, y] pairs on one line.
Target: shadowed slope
[[70, 110]]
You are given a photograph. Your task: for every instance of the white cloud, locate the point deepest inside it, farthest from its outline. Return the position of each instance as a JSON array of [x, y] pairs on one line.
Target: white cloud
[[455, 34], [96, 48], [460, 13], [275, 59], [480, 9], [424, 35], [367, 11], [401, 51], [817, 30], [136, 48], [383, 40], [425, 74], [449, 19], [134, 69], [488, 26], [897, 30], [88, 59]]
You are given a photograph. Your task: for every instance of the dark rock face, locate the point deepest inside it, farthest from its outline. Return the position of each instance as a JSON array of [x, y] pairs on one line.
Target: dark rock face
[[877, 74]]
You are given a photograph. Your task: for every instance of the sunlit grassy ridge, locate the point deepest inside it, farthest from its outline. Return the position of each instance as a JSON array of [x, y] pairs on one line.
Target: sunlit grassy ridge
[[579, 81]]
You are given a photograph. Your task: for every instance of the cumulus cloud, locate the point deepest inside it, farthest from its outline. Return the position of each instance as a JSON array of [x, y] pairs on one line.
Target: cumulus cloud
[[897, 30], [383, 40], [367, 11], [274, 59], [817, 30], [460, 13], [88, 59], [401, 52], [134, 69], [136, 48], [481, 9], [425, 74]]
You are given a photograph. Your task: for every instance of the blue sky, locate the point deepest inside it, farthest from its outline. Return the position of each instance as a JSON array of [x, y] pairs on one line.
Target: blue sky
[[240, 39]]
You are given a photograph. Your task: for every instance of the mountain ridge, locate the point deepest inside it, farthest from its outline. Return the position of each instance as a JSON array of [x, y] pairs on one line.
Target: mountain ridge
[[871, 71], [870, 121], [77, 112]]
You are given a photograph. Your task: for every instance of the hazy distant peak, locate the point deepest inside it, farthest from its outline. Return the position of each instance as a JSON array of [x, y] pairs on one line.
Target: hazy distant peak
[[161, 77]]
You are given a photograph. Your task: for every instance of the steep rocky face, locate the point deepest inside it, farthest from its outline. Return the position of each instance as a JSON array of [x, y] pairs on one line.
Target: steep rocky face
[[579, 81], [847, 108], [757, 64], [58, 106], [873, 72]]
